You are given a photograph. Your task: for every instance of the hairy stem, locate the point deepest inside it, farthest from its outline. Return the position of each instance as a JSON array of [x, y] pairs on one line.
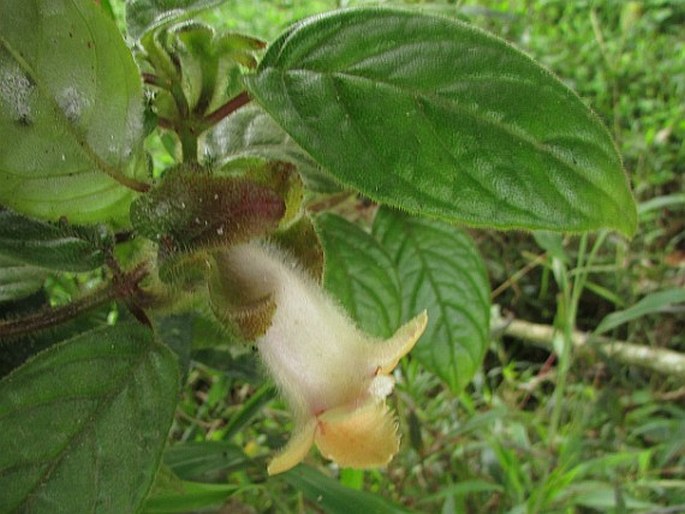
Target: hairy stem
[[122, 288], [232, 105]]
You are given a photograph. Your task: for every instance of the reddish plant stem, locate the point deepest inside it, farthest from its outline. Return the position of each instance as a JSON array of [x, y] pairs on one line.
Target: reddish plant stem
[[154, 80], [231, 106], [121, 288], [166, 123]]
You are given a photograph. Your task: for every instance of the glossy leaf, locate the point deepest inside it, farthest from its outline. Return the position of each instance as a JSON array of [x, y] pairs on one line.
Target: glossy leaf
[[143, 16], [205, 461], [438, 118], [58, 247], [441, 270], [251, 132], [184, 497], [333, 498], [18, 280], [83, 424], [650, 304], [70, 112], [361, 275]]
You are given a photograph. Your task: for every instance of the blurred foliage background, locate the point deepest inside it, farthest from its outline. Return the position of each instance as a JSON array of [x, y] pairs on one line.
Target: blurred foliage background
[[533, 433]]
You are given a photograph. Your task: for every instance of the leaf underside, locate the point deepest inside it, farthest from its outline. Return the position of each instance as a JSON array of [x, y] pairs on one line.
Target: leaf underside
[[70, 111]]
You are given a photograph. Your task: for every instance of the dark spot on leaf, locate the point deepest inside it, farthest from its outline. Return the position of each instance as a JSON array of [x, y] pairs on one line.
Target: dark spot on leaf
[[24, 120]]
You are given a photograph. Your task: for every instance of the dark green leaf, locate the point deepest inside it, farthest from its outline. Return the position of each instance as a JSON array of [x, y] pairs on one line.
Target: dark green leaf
[[18, 280], [441, 270], [177, 331], [145, 15], [438, 118], [249, 410], [332, 497], [173, 495], [652, 303], [14, 351], [250, 132], [361, 275], [83, 424], [184, 497], [70, 112], [205, 461], [58, 247]]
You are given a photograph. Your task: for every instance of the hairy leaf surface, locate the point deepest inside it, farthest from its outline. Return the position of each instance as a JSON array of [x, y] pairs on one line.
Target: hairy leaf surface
[[83, 424], [18, 280], [438, 118], [52, 246]]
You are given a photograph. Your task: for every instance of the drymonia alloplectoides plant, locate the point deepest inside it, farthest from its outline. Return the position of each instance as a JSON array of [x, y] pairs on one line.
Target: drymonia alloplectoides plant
[[440, 124]]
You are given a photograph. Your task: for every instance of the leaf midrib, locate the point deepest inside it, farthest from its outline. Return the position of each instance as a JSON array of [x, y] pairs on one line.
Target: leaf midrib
[[412, 240], [88, 425], [518, 135], [81, 143]]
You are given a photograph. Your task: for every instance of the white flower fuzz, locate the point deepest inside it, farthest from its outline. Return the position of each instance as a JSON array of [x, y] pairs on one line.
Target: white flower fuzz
[[334, 376]]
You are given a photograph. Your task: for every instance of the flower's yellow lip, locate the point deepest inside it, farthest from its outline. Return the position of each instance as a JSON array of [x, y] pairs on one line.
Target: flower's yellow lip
[[362, 434], [403, 340], [297, 448], [362, 437], [353, 436]]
